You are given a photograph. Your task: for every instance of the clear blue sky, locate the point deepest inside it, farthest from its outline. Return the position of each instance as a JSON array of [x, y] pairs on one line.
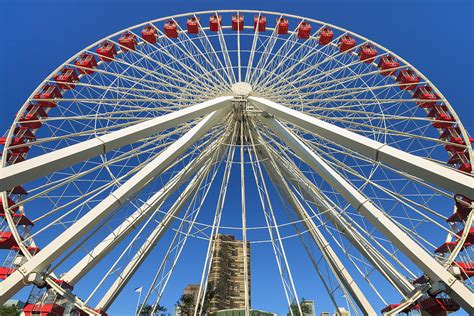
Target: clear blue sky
[[435, 36]]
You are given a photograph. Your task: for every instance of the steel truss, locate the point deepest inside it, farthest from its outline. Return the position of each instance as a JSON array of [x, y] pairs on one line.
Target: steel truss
[[41, 261], [137, 144], [377, 217]]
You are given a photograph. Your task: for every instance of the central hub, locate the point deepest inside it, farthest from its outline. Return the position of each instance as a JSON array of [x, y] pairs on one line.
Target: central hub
[[241, 89], [241, 106]]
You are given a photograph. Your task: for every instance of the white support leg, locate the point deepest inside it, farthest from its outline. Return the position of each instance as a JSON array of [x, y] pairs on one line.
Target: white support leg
[[311, 193], [118, 234], [150, 242], [34, 168], [330, 256], [432, 172], [435, 271], [79, 229]]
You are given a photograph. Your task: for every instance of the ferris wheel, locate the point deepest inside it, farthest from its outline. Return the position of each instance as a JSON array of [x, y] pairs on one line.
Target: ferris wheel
[[134, 145]]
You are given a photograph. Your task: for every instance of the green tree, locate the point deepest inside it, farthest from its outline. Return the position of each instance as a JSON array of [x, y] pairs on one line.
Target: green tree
[[304, 308], [146, 310], [160, 308], [207, 300], [186, 304], [9, 311]]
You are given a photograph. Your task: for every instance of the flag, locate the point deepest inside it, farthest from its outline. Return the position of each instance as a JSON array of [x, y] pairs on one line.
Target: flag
[[139, 289]]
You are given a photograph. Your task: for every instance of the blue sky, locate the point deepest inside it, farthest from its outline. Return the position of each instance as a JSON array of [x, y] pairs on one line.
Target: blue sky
[[434, 36]]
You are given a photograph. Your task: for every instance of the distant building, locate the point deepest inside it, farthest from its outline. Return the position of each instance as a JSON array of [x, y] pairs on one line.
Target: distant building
[[192, 289], [226, 277], [341, 311], [310, 304], [325, 314]]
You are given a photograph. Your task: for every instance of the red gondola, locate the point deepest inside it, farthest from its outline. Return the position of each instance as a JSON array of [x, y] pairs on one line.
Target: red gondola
[[66, 79], [10, 204], [7, 241], [282, 26], [193, 25], [128, 42], [48, 92], [215, 23], [367, 53], [149, 34], [237, 22], [387, 64], [346, 43], [106, 51], [407, 79], [325, 36], [425, 93], [260, 21], [304, 31], [86, 61], [171, 29]]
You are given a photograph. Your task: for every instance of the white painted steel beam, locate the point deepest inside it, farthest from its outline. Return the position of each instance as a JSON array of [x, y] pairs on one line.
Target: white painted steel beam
[[120, 196], [435, 271], [312, 194], [429, 171], [118, 234], [151, 241], [34, 168], [329, 255]]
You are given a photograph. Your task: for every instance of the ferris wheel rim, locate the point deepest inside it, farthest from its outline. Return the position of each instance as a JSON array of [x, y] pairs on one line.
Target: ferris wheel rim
[[10, 134]]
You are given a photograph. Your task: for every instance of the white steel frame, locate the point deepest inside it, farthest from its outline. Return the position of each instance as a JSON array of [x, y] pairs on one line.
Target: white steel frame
[[323, 245], [463, 295], [41, 261], [17, 174], [274, 100], [419, 167]]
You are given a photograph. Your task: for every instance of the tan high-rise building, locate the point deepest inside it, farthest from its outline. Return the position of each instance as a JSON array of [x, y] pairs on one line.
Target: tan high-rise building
[[226, 277]]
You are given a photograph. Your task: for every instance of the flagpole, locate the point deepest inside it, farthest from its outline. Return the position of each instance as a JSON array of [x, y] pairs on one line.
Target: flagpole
[[138, 302]]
